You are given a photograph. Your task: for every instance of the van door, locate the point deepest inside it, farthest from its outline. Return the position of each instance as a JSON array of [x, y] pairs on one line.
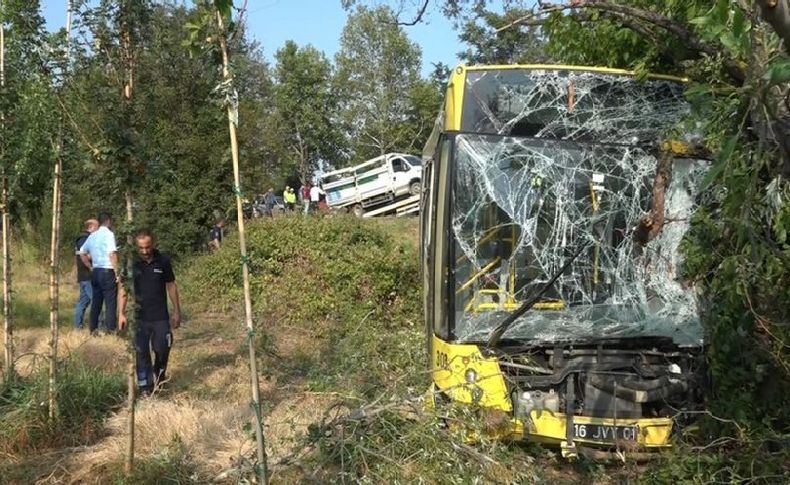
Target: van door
[[400, 175]]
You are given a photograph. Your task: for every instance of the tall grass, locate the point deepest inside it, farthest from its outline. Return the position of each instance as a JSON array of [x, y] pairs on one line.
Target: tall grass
[[85, 397]]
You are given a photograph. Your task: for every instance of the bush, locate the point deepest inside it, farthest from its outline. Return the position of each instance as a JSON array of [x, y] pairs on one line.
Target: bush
[[332, 296], [85, 396]]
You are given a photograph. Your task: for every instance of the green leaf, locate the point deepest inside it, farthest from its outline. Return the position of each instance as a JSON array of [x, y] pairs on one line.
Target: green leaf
[[740, 24], [224, 7], [778, 71], [721, 162]]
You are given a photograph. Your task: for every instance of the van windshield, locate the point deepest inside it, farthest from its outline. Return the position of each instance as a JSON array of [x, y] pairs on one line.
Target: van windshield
[[413, 161]]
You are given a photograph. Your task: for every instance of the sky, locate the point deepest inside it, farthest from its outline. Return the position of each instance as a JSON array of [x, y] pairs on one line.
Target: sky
[[316, 22]]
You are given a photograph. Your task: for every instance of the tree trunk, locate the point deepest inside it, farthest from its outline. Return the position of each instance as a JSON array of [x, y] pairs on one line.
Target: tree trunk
[[651, 224], [131, 398], [262, 471], [129, 206]]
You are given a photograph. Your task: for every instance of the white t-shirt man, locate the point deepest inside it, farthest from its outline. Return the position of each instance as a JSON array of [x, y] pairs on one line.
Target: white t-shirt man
[[99, 245], [315, 193]]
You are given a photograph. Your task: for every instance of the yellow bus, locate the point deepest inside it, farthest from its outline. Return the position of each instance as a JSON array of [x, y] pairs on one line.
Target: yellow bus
[[553, 301]]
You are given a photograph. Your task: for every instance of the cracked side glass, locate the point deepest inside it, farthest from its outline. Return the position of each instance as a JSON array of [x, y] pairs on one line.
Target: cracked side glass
[[558, 160]]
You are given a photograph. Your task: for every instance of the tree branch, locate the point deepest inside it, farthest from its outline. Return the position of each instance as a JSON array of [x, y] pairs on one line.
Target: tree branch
[[624, 14], [418, 18]]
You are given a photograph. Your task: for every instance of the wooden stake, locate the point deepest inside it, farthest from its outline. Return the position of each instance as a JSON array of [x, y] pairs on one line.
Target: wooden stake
[[7, 324], [54, 282], [54, 251], [131, 398], [129, 465], [263, 473]]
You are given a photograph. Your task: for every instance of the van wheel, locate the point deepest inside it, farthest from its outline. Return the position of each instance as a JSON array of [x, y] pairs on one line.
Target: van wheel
[[414, 188], [358, 210]]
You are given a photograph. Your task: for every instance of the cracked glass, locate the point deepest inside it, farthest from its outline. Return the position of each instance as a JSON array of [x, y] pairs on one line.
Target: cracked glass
[[548, 162]]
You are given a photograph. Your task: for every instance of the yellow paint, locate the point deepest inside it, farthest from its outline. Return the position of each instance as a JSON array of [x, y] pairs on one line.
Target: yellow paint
[[509, 304], [679, 148], [550, 427], [485, 269], [454, 100], [543, 426], [450, 377]]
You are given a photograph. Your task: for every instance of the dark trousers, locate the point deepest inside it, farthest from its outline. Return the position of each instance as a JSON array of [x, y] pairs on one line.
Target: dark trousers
[[105, 290], [147, 335]]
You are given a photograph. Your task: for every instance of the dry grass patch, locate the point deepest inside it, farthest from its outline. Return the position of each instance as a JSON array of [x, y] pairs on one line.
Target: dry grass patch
[[288, 422], [106, 353], [213, 434]]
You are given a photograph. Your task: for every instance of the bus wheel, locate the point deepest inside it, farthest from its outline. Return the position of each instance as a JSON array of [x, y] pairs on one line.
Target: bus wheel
[[358, 210], [414, 188]]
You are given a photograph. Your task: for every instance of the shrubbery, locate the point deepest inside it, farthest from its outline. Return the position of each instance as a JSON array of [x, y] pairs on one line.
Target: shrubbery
[[336, 298], [85, 397]]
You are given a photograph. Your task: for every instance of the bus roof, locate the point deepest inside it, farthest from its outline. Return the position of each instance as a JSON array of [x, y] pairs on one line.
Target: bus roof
[[567, 67]]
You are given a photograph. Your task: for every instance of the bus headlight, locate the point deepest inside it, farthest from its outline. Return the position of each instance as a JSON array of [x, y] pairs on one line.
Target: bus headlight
[[470, 376]]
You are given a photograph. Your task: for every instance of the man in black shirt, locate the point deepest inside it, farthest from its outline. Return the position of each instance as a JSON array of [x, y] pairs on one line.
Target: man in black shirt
[[153, 282], [83, 274]]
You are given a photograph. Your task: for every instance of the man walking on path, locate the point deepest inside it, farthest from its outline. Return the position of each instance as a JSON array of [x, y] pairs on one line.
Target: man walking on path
[[100, 255], [153, 280], [83, 274]]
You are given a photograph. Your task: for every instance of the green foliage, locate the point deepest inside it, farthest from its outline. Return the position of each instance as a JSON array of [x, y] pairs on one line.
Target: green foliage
[[305, 110], [347, 288], [384, 106], [85, 398], [174, 127], [488, 45], [28, 106], [778, 71]]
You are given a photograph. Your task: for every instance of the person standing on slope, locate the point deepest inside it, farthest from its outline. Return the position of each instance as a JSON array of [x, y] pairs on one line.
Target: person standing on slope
[[315, 197], [83, 274], [100, 255]]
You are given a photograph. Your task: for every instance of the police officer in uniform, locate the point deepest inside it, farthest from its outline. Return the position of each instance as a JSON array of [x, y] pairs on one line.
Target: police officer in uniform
[[153, 282]]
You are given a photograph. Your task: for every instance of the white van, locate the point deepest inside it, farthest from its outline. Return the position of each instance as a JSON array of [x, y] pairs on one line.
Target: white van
[[376, 182]]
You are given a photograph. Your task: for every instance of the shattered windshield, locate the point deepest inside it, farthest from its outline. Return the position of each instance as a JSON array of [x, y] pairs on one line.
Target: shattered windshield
[[571, 105], [523, 206]]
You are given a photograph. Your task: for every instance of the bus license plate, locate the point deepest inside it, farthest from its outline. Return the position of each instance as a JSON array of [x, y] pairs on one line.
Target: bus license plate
[[604, 432]]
